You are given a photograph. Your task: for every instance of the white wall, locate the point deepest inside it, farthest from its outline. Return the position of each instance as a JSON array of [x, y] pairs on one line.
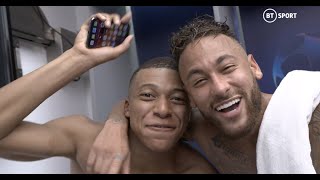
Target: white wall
[[93, 95], [110, 81]]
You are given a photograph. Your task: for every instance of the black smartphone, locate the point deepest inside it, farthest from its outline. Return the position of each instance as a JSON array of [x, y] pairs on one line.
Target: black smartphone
[[100, 36]]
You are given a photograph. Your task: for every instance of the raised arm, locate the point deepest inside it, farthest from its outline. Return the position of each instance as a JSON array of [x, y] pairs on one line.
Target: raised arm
[[59, 137], [21, 97], [110, 151]]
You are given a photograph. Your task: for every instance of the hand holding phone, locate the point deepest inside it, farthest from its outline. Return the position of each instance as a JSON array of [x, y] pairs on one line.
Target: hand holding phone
[[101, 36]]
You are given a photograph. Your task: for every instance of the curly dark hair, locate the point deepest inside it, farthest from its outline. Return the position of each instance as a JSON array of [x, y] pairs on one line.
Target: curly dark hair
[[197, 28]]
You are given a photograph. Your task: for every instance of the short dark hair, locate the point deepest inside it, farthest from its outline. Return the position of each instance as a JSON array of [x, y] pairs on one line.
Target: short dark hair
[[197, 28], [157, 62]]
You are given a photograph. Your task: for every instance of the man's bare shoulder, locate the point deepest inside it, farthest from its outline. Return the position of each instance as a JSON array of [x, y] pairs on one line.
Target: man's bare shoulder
[[315, 115], [314, 135], [191, 161], [83, 131]]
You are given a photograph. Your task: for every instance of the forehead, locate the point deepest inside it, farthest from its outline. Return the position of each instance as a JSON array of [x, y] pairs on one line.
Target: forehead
[[208, 49], [213, 45], [162, 77]]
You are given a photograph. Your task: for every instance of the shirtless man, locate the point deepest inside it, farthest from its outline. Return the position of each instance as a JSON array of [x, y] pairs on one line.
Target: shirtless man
[[221, 81], [158, 109]]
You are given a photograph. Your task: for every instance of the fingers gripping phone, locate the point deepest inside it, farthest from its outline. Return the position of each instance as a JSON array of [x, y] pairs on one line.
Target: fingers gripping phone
[[101, 36]]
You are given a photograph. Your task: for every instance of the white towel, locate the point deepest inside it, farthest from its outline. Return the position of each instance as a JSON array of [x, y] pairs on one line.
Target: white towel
[[283, 145]]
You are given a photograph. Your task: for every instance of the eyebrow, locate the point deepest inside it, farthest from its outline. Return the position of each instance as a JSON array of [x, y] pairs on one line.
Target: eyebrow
[[147, 85], [156, 86], [194, 71], [223, 57], [218, 61]]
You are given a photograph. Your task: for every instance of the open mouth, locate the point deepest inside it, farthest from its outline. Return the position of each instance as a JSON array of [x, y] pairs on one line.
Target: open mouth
[[229, 106]]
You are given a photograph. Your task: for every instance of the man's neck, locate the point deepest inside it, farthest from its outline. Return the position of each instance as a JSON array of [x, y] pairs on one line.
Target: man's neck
[[253, 136], [144, 160], [248, 142]]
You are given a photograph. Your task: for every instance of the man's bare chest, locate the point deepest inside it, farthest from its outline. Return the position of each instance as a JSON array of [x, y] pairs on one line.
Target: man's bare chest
[[228, 158]]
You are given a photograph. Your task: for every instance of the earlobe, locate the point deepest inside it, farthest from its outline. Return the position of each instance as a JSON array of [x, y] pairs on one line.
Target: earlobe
[[127, 109], [259, 75], [254, 67]]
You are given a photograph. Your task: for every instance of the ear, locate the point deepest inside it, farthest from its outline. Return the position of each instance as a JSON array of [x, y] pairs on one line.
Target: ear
[[126, 109], [256, 71]]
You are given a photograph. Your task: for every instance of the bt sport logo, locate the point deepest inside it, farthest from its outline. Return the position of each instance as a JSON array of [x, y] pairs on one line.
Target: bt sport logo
[[270, 15]]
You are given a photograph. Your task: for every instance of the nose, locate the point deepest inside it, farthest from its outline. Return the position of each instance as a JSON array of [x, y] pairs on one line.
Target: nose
[[220, 85], [162, 108]]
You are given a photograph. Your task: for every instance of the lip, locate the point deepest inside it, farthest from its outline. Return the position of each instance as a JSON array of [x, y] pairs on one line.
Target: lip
[[161, 127], [231, 114], [226, 101]]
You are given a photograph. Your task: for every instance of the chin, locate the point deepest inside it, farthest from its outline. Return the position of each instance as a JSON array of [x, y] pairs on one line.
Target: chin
[[160, 146], [233, 134], [236, 132]]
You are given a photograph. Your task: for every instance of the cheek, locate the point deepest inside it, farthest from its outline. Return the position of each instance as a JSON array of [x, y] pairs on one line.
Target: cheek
[[244, 80], [140, 108], [182, 114], [134, 127], [138, 111], [200, 95], [246, 74]]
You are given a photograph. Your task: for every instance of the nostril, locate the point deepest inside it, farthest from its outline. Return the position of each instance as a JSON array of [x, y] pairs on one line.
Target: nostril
[[162, 108], [163, 115]]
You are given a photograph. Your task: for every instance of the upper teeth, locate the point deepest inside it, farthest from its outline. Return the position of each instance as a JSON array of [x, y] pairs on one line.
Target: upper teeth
[[228, 104]]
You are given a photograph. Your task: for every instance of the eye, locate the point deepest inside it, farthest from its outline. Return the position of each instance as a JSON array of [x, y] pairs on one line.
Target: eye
[[229, 68], [147, 96], [199, 82], [178, 100]]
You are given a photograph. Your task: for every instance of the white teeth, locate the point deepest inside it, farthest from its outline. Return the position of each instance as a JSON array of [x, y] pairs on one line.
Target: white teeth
[[226, 105]]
